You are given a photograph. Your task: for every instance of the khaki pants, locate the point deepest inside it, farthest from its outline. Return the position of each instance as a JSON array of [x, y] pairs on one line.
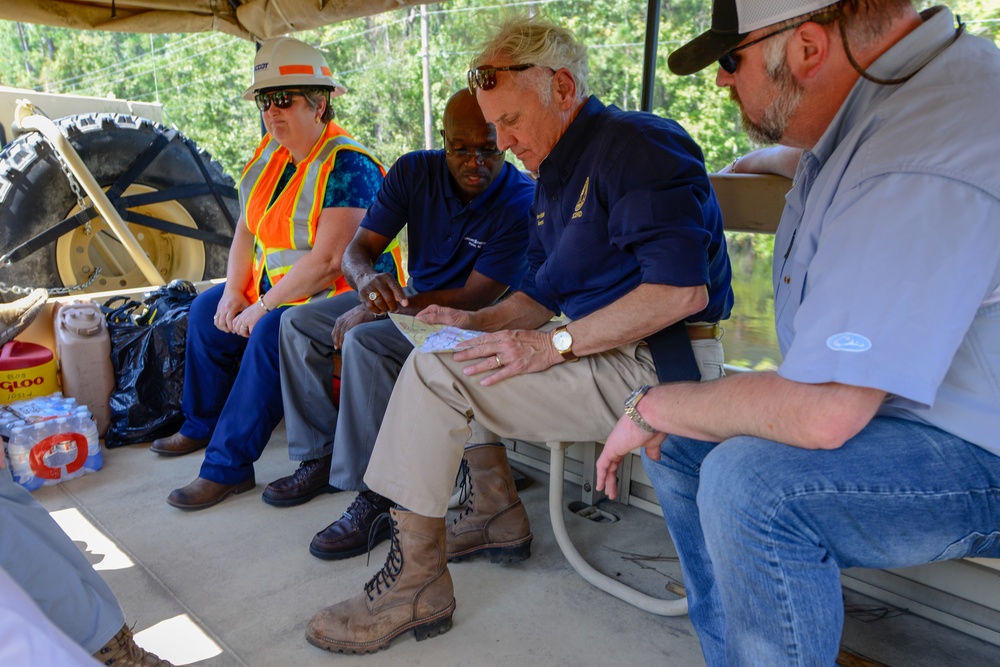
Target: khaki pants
[[426, 425]]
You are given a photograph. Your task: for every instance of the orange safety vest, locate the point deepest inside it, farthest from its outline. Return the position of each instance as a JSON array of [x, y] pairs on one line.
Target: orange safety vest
[[286, 230]]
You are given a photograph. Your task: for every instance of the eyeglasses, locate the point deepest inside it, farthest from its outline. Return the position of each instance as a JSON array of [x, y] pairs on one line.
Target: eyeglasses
[[280, 98], [482, 154], [730, 62], [486, 77]]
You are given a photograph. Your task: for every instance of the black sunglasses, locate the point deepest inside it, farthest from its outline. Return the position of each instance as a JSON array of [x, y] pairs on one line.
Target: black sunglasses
[[730, 62], [486, 77], [279, 98]]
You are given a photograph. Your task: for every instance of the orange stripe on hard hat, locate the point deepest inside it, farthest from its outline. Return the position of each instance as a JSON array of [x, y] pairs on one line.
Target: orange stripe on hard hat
[[327, 71], [284, 70]]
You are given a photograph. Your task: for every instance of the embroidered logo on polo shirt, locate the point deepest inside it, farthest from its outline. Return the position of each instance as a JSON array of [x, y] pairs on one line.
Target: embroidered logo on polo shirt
[[848, 342], [540, 218], [475, 243], [577, 212]]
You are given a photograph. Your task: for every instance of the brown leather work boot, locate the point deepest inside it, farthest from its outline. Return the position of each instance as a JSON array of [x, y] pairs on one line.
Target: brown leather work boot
[[412, 591], [494, 522], [122, 651]]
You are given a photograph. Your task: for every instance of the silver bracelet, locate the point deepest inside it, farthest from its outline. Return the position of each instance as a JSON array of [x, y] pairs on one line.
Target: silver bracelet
[[263, 305]]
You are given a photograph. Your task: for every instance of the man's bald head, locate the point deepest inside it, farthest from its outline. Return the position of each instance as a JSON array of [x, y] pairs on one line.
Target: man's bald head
[[471, 145]]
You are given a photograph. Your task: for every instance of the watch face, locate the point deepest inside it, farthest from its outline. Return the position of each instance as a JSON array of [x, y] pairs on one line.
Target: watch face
[[562, 341]]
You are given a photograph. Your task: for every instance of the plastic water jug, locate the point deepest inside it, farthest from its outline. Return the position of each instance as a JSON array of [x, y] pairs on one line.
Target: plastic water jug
[[26, 370], [84, 348]]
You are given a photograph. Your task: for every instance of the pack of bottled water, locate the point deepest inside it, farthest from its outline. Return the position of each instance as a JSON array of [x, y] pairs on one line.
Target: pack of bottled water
[[50, 439]]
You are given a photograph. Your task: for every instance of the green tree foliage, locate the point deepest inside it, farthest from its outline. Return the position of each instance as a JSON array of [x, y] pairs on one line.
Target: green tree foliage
[[199, 79]]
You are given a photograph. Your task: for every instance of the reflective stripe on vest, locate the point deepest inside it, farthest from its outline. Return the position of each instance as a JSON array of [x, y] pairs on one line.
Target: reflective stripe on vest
[[286, 230]]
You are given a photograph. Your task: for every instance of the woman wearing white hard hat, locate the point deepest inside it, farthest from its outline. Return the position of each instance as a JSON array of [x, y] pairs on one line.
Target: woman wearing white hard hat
[[303, 194]]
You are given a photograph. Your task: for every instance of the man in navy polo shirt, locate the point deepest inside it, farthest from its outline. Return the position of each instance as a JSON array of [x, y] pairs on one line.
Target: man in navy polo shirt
[[466, 214], [628, 246]]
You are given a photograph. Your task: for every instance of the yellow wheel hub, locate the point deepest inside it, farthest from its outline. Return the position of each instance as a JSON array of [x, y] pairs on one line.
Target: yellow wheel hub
[[79, 252]]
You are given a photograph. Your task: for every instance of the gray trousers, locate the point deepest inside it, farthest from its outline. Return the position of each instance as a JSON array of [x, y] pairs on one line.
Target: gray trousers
[[372, 357], [50, 568], [426, 427]]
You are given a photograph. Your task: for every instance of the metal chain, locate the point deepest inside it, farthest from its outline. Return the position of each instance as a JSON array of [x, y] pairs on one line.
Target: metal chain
[[74, 185], [53, 291], [81, 202]]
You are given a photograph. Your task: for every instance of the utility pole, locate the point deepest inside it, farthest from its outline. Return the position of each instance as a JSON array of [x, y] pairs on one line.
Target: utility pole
[[425, 56]]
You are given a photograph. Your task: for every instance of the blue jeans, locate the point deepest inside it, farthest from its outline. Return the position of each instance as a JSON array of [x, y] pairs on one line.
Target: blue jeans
[[763, 529]]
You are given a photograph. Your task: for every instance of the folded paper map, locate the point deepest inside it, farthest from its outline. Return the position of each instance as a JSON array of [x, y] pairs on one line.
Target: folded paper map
[[431, 337]]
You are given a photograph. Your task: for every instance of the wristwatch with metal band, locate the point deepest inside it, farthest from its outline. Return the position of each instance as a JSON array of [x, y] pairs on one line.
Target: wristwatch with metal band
[[633, 413], [562, 340]]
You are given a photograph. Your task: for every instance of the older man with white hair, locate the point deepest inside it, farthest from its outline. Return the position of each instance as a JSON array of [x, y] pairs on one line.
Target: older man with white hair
[[627, 244]]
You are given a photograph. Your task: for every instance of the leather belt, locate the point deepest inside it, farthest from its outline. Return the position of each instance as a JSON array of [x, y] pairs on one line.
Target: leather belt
[[704, 331]]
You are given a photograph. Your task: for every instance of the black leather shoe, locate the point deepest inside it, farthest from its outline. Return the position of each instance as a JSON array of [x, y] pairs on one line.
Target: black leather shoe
[[306, 483], [349, 535]]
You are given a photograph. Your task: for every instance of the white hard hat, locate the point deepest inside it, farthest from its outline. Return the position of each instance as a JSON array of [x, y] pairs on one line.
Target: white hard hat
[[285, 62]]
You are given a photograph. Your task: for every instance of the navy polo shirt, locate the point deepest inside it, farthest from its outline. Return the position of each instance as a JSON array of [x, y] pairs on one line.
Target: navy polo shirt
[[624, 199], [448, 239]]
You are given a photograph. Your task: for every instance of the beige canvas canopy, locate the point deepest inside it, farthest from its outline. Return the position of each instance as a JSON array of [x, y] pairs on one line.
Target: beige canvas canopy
[[249, 19]]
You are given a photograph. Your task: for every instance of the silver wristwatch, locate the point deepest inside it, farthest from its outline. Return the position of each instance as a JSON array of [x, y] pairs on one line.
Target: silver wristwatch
[[630, 409]]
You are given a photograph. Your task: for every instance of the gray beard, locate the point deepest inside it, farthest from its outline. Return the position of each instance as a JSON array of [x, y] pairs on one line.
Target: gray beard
[[779, 112]]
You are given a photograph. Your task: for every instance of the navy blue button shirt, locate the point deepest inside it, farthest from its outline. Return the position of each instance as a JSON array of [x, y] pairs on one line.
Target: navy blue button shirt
[[448, 239], [623, 199]]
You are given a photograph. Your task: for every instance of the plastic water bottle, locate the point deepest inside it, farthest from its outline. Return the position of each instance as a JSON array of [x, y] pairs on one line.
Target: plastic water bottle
[[20, 467], [88, 427], [19, 449]]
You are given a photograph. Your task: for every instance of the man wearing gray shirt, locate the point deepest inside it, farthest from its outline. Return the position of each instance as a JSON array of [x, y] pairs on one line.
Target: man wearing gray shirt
[[877, 441]]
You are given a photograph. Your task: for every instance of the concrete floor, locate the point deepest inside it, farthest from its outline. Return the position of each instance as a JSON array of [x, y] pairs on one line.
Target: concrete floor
[[236, 585]]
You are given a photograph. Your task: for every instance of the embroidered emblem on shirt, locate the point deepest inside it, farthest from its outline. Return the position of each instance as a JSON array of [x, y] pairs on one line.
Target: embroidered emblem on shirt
[[848, 342], [540, 218], [475, 243], [577, 212]]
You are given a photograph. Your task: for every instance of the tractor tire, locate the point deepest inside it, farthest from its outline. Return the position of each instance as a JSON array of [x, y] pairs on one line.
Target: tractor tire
[[35, 195]]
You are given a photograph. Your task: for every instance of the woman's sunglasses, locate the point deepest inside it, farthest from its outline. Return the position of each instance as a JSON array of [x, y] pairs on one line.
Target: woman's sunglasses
[[279, 98]]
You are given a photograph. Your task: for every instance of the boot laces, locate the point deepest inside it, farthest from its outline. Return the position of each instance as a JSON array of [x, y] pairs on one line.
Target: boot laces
[[387, 576], [357, 508], [306, 468], [470, 505], [464, 483], [128, 653]]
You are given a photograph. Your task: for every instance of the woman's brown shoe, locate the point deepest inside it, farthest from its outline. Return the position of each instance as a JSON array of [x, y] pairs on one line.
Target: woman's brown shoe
[[202, 493], [177, 445]]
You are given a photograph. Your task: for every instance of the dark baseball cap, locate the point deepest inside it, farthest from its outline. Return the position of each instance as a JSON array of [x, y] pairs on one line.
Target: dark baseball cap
[[732, 21]]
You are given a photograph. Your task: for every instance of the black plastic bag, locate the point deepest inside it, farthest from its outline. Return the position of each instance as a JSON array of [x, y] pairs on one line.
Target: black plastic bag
[[147, 351]]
